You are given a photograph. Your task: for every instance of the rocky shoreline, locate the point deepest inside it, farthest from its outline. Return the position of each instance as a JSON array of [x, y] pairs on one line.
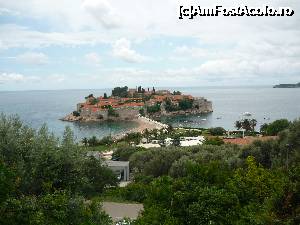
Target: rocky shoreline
[[179, 113], [71, 118]]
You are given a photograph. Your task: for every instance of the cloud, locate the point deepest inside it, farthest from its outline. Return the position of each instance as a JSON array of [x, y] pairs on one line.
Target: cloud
[[16, 77], [208, 49], [122, 50], [5, 11], [93, 58], [56, 78], [15, 36], [8, 77], [33, 58], [102, 11]]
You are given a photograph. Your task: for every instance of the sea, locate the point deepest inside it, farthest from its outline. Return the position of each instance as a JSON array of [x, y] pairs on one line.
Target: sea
[[266, 104]]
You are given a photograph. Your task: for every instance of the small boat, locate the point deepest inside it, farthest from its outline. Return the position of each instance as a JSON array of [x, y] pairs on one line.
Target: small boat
[[203, 119], [218, 118]]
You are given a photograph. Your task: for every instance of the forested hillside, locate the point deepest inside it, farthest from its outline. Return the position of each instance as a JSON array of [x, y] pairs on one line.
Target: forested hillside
[[46, 180]]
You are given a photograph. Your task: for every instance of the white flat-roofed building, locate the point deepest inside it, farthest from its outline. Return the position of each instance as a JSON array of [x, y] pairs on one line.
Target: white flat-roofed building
[[121, 168], [192, 141], [149, 145]]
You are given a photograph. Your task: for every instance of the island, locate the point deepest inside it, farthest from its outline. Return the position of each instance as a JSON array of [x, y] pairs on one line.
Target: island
[[130, 104], [287, 85]]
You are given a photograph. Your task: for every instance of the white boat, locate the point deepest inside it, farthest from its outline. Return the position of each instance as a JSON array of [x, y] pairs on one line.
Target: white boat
[[203, 119]]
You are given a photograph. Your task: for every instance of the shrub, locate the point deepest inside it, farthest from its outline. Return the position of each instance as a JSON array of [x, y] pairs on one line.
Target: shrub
[[275, 127], [217, 131], [214, 141]]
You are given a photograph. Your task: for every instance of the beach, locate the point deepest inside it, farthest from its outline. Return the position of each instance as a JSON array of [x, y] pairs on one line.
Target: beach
[[143, 124]]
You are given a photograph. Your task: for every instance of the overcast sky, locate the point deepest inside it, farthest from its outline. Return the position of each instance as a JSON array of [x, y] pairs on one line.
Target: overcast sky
[[70, 44]]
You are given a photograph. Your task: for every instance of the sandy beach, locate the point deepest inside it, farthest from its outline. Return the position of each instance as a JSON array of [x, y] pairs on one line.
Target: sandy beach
[[143, 124]]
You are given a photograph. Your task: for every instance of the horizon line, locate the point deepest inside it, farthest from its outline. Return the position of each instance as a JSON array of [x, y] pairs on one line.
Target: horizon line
[[160, 87]]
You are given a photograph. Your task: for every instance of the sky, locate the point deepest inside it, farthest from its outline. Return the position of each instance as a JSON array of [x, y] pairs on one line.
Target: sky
[[94, 44]]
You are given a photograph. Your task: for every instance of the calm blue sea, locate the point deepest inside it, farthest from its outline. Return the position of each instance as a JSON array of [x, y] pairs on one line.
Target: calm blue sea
[[265, 103]]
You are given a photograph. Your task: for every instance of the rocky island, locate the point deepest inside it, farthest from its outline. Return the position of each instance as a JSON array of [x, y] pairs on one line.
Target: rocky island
[[287, 85], [129, 104]]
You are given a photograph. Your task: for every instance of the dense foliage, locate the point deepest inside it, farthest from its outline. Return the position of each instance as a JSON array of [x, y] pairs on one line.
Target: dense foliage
[[45, 180], [217, 131], [169, 106], [153, 109], [227, 184], [183, 104], [120, 92], [275, 127]]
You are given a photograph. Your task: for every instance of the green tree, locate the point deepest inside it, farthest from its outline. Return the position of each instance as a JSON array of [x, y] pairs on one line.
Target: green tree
[[98, 177], [120, 92], [35, 167], [153, 109], [185, 104], [213, 206], [275, 127], [169, 106], [253, 123], [238, 124], [217, 131], [124, 153], [176, 93], [56, 208], [89, 96], [246, 124]]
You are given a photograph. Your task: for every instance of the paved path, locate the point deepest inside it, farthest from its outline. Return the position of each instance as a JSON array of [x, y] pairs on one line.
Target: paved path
[[118, 211]]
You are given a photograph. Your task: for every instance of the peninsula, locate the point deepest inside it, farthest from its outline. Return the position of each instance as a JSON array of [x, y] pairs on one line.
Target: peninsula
[[287, 85], [130, 104]]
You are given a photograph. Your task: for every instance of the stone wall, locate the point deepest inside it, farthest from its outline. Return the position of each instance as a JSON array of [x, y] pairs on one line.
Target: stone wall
[[124, 114], [128, 113]]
